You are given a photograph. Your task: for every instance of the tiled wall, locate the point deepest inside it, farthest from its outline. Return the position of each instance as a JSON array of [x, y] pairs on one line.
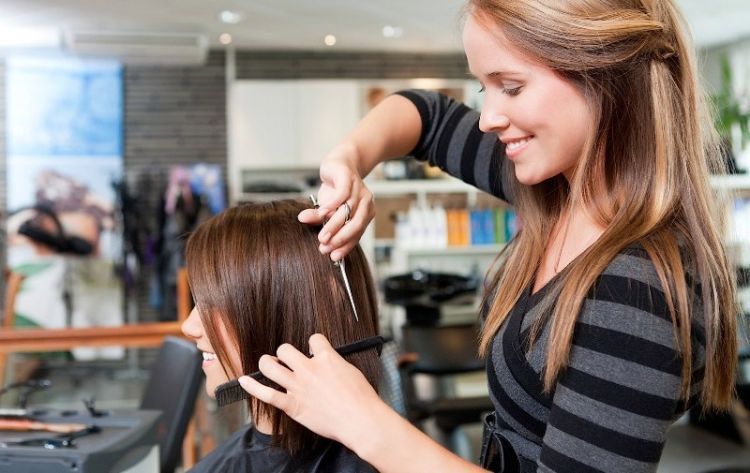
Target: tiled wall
[[173, 115]]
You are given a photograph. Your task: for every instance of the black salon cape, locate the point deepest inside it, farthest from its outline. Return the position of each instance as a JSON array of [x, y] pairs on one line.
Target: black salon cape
[[249, 451]]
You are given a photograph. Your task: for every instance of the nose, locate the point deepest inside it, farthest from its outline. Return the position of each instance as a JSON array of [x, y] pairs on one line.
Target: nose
[[492, 119], [192, 327]]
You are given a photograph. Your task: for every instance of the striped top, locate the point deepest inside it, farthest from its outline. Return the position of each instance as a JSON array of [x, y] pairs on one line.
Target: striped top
[[611, 408]]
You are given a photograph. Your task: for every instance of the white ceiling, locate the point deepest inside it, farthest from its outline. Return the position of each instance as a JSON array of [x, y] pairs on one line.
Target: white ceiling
[[428, 25]]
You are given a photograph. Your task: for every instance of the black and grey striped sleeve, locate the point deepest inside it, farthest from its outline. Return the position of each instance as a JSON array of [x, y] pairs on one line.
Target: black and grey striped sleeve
[[452, 141], [621, 391]]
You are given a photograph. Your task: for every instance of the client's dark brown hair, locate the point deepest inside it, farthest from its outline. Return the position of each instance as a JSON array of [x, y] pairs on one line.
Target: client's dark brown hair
[[256, 268]]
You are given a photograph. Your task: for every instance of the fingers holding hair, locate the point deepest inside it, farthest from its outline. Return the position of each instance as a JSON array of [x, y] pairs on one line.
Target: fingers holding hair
[[266, 394], [291, 357], [320, 344]]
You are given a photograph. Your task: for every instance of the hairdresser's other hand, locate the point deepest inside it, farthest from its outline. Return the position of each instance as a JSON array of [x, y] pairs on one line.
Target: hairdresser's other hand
[[341, 181], [325, 393]]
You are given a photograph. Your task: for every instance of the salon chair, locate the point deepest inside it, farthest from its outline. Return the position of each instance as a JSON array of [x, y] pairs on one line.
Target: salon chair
[[441, 352], [172, 388]]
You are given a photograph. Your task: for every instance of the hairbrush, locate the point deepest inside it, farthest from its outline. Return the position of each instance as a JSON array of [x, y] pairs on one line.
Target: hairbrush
[[231, 391]]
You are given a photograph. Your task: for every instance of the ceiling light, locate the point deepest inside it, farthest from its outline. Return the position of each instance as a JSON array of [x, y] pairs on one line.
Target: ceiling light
[[225, 38], [230, 17], [329, 40], [392, 31]]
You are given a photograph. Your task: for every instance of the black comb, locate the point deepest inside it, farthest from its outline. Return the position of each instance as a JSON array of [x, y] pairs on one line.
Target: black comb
[[231, 391]]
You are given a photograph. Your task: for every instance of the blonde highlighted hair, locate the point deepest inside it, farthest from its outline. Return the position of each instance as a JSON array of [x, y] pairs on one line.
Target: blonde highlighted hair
[[644, 175]]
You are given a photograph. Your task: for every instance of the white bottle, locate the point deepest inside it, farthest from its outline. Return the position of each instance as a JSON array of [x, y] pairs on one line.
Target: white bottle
[[441, 226], [414, 239], [401, 230]]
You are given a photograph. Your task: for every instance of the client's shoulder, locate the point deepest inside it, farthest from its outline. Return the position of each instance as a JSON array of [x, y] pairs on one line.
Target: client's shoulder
[[338, 458]]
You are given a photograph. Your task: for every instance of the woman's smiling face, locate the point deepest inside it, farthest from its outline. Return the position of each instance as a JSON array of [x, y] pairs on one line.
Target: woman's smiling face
[[215, 373], [543, 119]]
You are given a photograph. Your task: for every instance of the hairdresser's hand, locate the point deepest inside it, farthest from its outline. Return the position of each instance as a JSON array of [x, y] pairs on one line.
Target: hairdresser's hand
[[341, 181], [324, 393]]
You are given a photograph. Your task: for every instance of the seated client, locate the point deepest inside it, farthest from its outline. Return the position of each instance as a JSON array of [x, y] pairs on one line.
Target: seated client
[[259, 281]]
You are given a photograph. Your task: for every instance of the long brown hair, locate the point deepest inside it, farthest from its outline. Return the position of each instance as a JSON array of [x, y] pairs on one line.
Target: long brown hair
[[258, 270], [644, 175]]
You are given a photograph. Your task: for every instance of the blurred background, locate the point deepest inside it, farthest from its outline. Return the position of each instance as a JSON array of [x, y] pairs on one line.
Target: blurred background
[[125, 124]]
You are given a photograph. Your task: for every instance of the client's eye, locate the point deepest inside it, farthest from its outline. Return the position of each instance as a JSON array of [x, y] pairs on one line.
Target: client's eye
[[512, 91]]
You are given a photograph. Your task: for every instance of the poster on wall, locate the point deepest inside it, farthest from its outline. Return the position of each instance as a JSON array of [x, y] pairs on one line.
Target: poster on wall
[[64, 148]]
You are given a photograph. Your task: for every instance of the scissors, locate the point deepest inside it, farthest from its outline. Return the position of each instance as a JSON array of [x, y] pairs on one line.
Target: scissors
[[340, 263]]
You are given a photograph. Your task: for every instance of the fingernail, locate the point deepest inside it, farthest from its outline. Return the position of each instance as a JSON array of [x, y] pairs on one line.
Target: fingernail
[[244, 381], [325, 249], [324, 236]]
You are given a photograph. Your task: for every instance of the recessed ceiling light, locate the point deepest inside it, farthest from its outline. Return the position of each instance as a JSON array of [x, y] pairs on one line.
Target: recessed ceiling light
[[230, 17], [329, 40], [392, 31], [225, 38]]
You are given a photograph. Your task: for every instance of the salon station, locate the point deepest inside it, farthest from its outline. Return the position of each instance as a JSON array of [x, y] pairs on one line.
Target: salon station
[[125, 127]]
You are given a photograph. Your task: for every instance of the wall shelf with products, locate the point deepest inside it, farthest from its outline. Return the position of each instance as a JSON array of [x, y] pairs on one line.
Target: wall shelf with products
[[392, 254], [455, 256]]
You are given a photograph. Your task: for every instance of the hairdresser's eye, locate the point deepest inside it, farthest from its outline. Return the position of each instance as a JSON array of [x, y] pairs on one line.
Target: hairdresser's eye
[[481, 90], [512, 91]]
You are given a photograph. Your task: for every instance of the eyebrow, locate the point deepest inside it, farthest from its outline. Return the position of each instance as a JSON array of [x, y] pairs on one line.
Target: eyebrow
[[499, 74]]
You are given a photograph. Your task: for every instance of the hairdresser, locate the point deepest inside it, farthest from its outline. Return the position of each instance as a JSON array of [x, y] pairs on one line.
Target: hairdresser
[[612, 311]]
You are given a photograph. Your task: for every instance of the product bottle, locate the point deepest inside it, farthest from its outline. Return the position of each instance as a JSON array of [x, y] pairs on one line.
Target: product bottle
[[477, 229], [441, 226]]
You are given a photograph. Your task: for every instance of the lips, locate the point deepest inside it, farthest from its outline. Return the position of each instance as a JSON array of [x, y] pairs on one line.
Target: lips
[[209, 356], [513, 147]]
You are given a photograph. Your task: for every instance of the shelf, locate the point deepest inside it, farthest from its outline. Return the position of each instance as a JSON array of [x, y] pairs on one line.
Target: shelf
[[449, 185], [446, 185], [454, 250]]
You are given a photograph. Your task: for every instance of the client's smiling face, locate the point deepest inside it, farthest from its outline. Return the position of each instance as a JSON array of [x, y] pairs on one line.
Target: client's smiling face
[[215, 373]]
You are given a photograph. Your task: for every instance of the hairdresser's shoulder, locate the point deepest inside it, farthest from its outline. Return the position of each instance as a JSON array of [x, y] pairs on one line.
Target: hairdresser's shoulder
[[629, 296], [632, 266], [633, 272]]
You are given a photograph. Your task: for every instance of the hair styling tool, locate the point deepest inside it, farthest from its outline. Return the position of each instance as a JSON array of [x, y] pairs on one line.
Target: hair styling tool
[[27, 388], [231, 391], [25, 425], [340, 263], [61, 441]]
